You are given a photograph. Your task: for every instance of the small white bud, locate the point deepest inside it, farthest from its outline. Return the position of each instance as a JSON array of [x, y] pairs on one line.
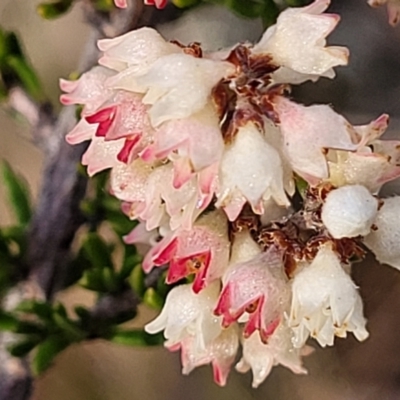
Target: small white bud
[[349, 211], [384, 242]]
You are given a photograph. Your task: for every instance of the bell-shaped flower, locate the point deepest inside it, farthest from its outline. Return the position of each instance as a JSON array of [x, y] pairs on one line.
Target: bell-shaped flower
[[393, 7], [384, 240], [122, 115], [89, 90], [178, 85], [260, 288], [308, 133], [250, 170], [325, 302], [220, 353], [193, 143], [202, 251], [187, 313], [101, 155], [297, 44], [150, 190], [349, 211], [137, 49], [279, 350]]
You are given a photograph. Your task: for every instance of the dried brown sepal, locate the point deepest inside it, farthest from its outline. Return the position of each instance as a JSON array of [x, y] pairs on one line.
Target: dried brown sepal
[[193, 49]]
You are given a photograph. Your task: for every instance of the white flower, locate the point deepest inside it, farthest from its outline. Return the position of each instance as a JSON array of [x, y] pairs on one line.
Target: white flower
[[349, 211], [325, 302], [297, 44], [136, 50], [186, 312], [308, 132], [220, 352], [179, 85], [261, 357], [384, 242], [250, 170]]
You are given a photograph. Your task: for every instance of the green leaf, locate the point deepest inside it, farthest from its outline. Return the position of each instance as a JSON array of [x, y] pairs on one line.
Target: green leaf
[[270, 13], [70, 329], [93, 280], [55, 9], [18, 194], [7, 322], [42, 309], [27, 76], [28, 327], [97, 250], [110, 280], [301, 185], [136, 280], [152, 299], [46, 352], [129, 264], [136, 338], [185, 3], [23, 347]]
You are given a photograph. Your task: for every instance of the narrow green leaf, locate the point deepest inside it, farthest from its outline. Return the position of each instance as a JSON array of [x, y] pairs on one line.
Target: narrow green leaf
[[129, 264], [97, 250], [18, 194], [152, 299], [69, 328], [185, 3], [46, 352], [301, 185], [28, 327], [110, 280], [27, 76], [269, 13], [93, 280], [136, 280], [54, 10], [23, 347], [7, 322], [42, 309], [136, 338]]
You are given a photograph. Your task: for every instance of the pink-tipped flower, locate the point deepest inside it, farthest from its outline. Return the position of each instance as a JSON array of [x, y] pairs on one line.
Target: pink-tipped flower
[[220, 353], [297, 44], [325, 302], [202, 251], [89, 90], [151, 191], [250, 171], [261, 357], [258, 287], [308, 133], [193, 144]]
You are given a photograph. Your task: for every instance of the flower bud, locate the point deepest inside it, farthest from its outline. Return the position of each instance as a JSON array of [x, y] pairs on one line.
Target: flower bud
[[349, 211]]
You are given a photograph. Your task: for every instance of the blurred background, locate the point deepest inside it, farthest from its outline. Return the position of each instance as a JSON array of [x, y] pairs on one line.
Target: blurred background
[[362, 91]]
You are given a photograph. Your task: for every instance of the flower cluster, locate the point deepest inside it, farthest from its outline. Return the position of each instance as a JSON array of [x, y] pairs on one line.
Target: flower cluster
[[257, 204]]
